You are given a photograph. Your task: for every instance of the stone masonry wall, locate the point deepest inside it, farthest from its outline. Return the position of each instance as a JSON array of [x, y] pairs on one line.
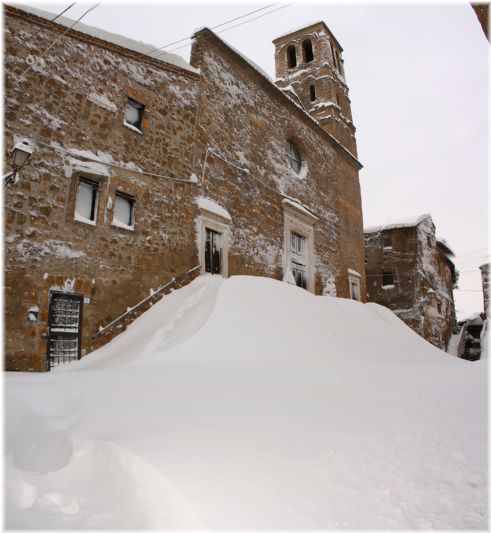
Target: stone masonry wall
[[247, 121], [73, 107], [76, 103], [421, 294], [485, 286]]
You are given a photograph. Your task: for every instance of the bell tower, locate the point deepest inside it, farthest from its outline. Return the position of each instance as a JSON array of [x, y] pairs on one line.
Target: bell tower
[[309, 69]]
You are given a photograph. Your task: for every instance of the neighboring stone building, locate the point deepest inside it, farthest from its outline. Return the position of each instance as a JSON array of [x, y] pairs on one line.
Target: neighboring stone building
[[485, 286], [146, 167], [411, 272]]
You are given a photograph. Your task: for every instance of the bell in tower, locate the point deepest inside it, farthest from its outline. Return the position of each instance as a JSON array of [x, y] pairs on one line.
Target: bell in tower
[[309, 69]]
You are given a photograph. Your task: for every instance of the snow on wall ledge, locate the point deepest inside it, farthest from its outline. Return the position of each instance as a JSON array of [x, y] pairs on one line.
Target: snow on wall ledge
[[212, 207], [348, 420]]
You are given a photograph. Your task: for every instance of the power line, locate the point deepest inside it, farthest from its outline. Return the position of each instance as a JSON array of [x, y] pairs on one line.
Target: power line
[[481, 258], [212, 28], [19, 79], [468, 290], [59, 149], [237, 25], [41, 29], [474, 251]]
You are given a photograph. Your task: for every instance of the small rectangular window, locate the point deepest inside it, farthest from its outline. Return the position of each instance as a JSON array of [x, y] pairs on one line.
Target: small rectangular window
[[354, 286], [134, 114], [388, 278], [387, 238], [312, 93], [124, 207], [87, 199], [298, 244]]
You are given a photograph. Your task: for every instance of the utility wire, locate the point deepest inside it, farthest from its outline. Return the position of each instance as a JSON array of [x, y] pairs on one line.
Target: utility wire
[[41, 29], [20, 78], [63, 150], [237, 25], [212, 28]]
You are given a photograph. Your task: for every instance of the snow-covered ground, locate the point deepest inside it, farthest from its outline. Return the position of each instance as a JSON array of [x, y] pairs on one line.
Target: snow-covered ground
[[250, 403]]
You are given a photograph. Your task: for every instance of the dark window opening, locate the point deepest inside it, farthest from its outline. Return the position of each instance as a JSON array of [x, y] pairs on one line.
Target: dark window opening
[[430, 242], [312, 93], [439, 307], [213, 252], [64, 328], [333, 56], [337, 100], [134, 113], [387, 238], [308, 53], [387, 278], [299, 274], [299, 268], [355, 290], [293, 156], [124, 207], [86, 203], [292, 57]]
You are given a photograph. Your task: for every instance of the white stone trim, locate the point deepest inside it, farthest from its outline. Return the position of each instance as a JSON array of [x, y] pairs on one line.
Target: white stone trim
[[355, 280], [213, 222], [296, 221]]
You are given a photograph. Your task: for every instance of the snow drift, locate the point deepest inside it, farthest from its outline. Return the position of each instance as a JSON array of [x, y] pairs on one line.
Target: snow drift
[[250, 403]]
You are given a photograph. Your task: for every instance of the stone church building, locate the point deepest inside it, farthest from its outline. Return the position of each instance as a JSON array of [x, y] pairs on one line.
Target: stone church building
[[411, 272], [146, 167]]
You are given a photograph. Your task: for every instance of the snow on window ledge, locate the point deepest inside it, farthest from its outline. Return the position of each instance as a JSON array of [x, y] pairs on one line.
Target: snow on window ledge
[[386, 287], [80, 218], [118, 224], [132, 128]]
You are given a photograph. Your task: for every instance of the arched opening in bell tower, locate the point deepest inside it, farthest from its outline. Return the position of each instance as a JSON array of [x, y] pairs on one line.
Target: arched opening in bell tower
[[308, 53], [291, 55]]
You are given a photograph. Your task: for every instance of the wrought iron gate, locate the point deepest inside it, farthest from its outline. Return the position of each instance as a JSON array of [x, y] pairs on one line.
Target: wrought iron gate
[[64, 327]]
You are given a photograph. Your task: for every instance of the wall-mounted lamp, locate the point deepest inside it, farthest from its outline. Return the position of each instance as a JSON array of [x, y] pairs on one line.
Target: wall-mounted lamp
[[20, 154]]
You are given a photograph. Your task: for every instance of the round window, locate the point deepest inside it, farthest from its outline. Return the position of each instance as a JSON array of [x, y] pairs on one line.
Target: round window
[[293, 156]]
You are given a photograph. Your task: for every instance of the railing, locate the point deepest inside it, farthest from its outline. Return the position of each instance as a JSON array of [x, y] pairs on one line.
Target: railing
[[131, 310]]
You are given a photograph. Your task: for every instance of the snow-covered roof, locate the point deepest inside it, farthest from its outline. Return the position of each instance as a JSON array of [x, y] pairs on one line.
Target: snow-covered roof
[[402, 223], [443, 243], [119, 40], [212, 207]]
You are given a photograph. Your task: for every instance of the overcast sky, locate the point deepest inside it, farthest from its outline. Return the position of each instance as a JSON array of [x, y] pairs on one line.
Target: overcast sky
[[418, 80]]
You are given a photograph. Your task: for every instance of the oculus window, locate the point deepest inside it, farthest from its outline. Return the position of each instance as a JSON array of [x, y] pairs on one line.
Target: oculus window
[[134, 114], [293, 156]]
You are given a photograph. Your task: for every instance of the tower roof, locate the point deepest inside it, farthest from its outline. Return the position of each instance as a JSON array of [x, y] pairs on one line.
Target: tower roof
[[306, 29]]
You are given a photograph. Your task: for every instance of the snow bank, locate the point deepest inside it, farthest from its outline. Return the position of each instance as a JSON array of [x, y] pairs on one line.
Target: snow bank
[[249, 403]]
